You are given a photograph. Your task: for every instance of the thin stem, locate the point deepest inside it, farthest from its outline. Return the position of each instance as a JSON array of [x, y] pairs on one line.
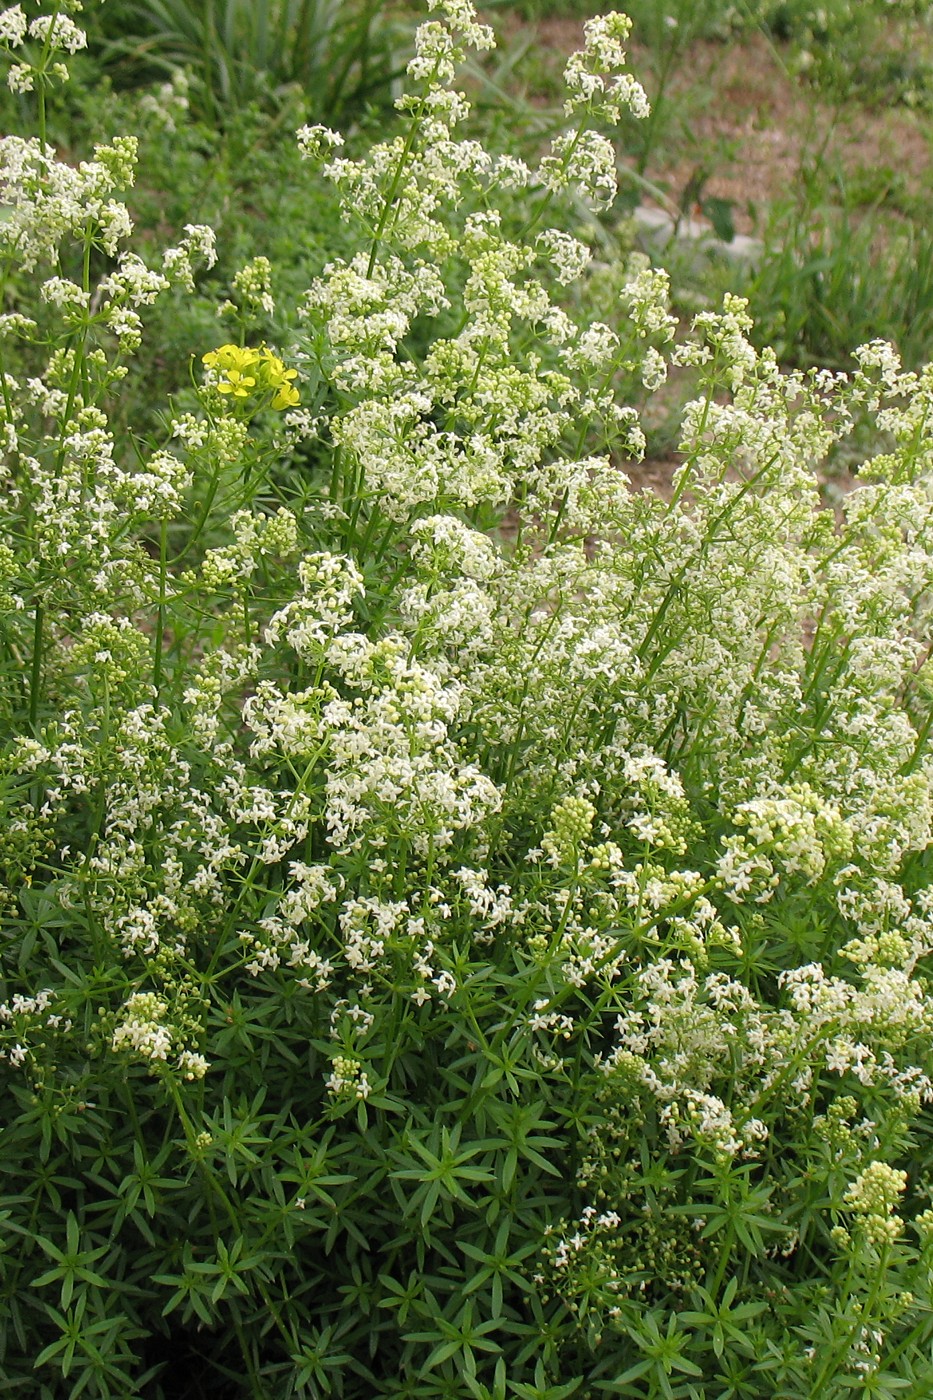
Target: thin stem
[[545, 203], [35, 681], [212, 488], [725, 1254], [862, 1319], [247, 629], [397, 177], [658, 97], [42, 68], [235, 1222], [160, 617]]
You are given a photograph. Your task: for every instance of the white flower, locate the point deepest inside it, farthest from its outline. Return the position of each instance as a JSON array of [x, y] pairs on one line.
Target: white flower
[[594, 76], [12, 26], [58, 32]]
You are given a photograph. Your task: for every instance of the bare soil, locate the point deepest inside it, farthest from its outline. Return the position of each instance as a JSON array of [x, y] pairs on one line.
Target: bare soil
[[762, 124], [737, 115], [746, 119]]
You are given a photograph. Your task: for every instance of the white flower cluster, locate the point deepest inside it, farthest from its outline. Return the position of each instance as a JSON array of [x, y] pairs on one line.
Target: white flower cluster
[[53, 34], [392, 763], [602, 58], [168, 103], [284, 938], [256, 537], [47, 200], [684, 1036], [252, 287], [361, 743], [25, 1023], [348, 1079], [798, 827], [873, 1197], [145, 1033], [196, 248], [472, 423], [591, 1223], [58, 31], [13, 26], [329, 585]]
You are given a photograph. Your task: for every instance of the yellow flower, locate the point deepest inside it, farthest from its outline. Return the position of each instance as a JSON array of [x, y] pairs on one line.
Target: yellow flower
[[277, 377], [236, 384], [243, 371], [286, 397], [229, 357]]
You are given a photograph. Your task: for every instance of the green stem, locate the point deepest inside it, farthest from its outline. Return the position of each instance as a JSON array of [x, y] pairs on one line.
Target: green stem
[[862, 1319], [4, 386], [684, 570], [252, 875], [568, 906], [658, 96], [236, 1225], [212, 488], [372, 526], [42, 80], [35, 682], [922, 737], [160, 617], [247, 630], [725, 1254], [545, 203], [397, 177]]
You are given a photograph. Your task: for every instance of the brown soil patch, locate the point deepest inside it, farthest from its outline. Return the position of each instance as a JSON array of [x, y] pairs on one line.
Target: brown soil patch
[[741, 116], [655, 474], [755, 125], [738, 115]]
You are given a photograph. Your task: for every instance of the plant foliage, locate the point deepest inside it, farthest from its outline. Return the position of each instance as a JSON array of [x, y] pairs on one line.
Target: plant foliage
[[466, 924], [338, 53]]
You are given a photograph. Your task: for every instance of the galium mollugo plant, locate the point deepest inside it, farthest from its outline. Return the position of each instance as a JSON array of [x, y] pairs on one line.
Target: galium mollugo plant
[[466, 921]]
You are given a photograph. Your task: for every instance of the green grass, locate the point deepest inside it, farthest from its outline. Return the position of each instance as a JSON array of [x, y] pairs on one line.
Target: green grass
[[340, 54]]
